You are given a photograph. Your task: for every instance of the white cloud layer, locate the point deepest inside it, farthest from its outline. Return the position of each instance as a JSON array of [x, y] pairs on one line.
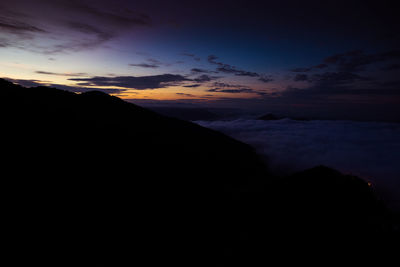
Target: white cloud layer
[[370, 150]]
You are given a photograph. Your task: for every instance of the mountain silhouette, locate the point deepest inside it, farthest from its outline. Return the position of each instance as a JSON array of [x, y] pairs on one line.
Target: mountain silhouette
[[188, 114], [273, 117], [91, 176]]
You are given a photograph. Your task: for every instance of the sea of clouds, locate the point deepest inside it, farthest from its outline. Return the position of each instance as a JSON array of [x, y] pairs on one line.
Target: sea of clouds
[[370, 150]]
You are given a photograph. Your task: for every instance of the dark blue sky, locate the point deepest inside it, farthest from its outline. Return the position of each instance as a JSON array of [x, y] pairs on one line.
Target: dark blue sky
[[331, 59]]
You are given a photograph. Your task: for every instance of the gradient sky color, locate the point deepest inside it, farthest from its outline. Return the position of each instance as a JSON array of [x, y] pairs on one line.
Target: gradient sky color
[[328, 58]]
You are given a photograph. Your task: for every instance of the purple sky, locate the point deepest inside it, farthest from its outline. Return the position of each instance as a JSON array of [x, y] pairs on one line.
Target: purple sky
[[332, 59]]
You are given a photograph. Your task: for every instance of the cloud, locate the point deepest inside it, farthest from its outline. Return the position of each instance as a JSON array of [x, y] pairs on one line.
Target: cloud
[[330, 78], [300, 77], [191, 56], [352, 61], [4, 43], [118, 17], [333, 59], [17, 27], [226, 68], [101, 34], [132, 82], [95, 37], [391, 67], [204, 78], [221, 87], [65, 26], [357, 60], [367, 149], [15, 31], [345, 78], [184, 94], [221, 84], [211, 59], [320, 66], [392, 84], [197, 70], [231, 91], [266, 79], [192, 85], [26, 83], [152, 63], [349, 87], [301, 69], [37, 83], [337, 77], [233, 70], [188, 54], [80, 74], [320, 92], [145, 65]]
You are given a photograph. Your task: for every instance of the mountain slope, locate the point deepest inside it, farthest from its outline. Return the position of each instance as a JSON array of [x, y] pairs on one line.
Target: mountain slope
[[103, 169], [91, 174], [95, 122]]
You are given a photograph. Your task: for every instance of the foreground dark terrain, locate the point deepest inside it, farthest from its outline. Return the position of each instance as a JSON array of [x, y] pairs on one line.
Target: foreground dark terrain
[[93, 177]]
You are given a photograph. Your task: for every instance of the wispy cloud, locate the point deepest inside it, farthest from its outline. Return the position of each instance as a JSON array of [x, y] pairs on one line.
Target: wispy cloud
[[231, 91], [133, 82], [226, 68], [198, 70], [86, 26], [205, 78], [145, 65], [185, 94], [80, 74], [75, 89], [192, 85], [193, 56], [301, 69], [121, 18], [266, 79], [221, 87], [153, 63], [15, 26]]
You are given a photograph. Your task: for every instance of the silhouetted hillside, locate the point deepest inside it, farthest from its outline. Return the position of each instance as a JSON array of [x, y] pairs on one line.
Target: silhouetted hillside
[[112, 131], [189, 114], [91, 174]]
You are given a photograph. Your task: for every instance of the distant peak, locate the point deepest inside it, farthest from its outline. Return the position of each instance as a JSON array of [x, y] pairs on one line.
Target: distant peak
[[269, 117], [96, 94], [5, 82]]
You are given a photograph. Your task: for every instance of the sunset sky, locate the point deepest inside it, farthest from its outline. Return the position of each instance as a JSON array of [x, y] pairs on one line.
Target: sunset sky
[[311, 57]]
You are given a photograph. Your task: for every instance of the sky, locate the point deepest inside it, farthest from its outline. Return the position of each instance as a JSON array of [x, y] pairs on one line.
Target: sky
[[324, 59]]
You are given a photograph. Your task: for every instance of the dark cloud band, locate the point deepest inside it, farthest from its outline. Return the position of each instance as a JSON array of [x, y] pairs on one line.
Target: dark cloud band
[[132, 82]]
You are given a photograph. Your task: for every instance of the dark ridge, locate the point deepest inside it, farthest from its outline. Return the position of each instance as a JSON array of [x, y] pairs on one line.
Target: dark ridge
[[91, 178], [269, 117], [272, 117], [188, 114]]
